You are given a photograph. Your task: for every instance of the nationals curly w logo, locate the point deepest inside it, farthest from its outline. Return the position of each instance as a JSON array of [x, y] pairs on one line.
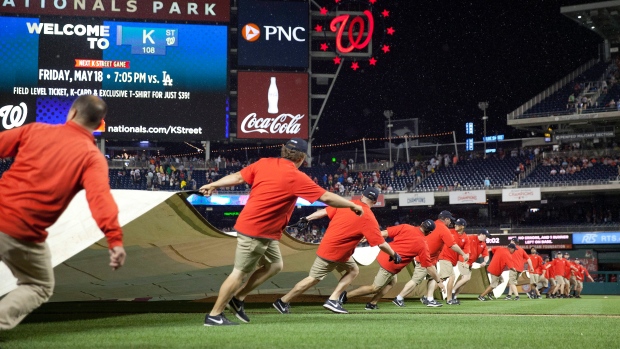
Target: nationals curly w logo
[[13, 116]]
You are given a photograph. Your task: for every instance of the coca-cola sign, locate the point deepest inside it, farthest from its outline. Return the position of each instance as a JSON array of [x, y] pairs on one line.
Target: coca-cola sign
[[272, 105]]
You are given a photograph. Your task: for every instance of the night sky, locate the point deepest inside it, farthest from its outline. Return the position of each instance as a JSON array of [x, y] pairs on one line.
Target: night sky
[[446, 56]]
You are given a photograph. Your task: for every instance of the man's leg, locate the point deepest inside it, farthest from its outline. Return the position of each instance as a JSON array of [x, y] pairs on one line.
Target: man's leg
[[258, 277], [31, 264], [351, 272], [232, 283], [301, 287], [457, 288], [383, 291]]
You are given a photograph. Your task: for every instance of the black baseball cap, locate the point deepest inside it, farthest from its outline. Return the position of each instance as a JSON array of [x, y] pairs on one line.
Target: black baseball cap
[[461, 221], [513, 246], [445, 214], [485, 232], [297, 144], [372, 193]]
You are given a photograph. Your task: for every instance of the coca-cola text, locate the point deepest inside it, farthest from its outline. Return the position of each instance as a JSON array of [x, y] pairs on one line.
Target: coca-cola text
[[282, 124]]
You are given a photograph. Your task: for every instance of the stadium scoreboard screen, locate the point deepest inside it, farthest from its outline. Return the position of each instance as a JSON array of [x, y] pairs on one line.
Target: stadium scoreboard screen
[[161, 81], [543, 242]]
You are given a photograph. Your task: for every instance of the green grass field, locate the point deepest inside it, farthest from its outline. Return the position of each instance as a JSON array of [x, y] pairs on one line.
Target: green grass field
[[587, 323]]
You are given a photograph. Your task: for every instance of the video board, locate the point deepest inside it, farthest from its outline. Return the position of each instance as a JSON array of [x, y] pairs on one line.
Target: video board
[[161, 81]]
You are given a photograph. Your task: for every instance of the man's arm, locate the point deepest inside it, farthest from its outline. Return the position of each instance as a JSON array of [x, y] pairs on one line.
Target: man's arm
[[226, 181], [338, 201], [317, 215], [458, 250], [485, 261], [529, 265], [384, 233], [385, 247]]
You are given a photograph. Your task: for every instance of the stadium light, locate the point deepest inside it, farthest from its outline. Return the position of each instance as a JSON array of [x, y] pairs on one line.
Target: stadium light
[[483, 106]]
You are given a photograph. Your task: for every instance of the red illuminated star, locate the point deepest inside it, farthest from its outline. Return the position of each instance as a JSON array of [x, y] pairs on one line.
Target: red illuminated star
[[385, 13], [390, 30], [324, 46], [355, 66], [372, 1], [318, 28], [323, 11], [385, 48], [373, 61], [336, 60], [336, 1]]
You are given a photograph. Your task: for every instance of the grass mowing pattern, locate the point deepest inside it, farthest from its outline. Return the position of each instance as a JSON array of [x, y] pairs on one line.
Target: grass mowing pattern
[[591, 322]]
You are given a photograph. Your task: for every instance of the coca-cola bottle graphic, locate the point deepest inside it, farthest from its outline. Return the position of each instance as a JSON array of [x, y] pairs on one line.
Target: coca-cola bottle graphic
[[272, 97]]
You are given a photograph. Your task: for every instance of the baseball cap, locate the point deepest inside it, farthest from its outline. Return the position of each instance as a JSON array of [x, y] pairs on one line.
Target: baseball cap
[[513, 246], [372, 193], [445, 214], [461, 221], [485, 232], [566, 254], [298, 144], [559, 253], [428, 225]]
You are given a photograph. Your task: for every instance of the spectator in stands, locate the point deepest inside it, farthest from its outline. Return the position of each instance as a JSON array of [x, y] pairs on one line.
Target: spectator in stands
[[553, 172], [487, 182], [612, 104]]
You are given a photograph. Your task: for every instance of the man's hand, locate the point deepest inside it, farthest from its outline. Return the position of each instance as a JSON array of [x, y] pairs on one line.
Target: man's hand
[[357, 209], [483, 264], [441, 286], [396, 258], [117, 257], [207, 190], [465, 257]]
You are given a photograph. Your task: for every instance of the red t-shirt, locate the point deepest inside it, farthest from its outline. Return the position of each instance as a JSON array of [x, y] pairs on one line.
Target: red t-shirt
[[477, 249], [345, 231], [550, 270], [409, 242], [536, 263], [53, 163], [581, 270], [438, 238], [502, 259], [520, 258], [276, 184], [559, 266], [447, 254], [570, 269]]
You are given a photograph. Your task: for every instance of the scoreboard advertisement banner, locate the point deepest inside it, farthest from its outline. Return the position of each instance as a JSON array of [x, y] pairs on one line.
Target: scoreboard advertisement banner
[[272, 105], [174, 10], [542, 242], [160, 81], [273, 33]]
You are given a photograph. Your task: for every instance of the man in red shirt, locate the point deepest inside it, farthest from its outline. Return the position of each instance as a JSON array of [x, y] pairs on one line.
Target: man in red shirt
[[569, 275], [477, 248], [579, 275], [343, 234], [33, 196], [537, 264], [435, 240], [276, 184], [559, 268], [448, 257], [408, 241], [502, 259], [548, 273], [520, 257]]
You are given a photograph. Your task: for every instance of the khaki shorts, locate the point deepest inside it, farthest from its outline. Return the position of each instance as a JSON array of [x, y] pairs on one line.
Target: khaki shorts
[[580, 284], [512, 277], [559, 280], [252, 252], [419, 273], [320, 267], [573, 280], [534, 279], [496, 280], [543, 282], [446, 269], [383, 278], [552, 281], [464, 269]]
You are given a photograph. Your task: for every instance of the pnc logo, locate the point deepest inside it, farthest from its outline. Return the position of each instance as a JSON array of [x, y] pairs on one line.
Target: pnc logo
[[250, 32]]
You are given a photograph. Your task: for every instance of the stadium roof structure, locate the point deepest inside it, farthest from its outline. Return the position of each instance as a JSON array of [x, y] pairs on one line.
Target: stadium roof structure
[[601, 17]]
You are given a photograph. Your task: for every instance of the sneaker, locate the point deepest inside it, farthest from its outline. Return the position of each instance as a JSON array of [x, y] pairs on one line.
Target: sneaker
[[370, 306], [343, 298], [491, 297], [398, 303], [456, 301], [434, 304], [219, 320], [482, 299], [451, 302], [508, 298], [334, 306], [424, 300], [529, 295], [236, 306], [517, 298], [283, 308]]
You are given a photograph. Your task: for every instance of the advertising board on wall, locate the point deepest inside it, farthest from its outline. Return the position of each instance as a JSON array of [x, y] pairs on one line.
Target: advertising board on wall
[[272, 105], [521, 194], [598, 238], [545, 242], [468, 197], [416, 199], [273, 33]]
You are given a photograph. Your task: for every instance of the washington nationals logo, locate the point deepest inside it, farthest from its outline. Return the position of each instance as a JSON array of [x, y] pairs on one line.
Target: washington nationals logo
[[352, 23]]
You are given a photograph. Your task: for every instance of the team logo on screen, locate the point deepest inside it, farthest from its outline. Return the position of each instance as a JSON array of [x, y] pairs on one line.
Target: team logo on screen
[[13, 115], [250, 32]]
